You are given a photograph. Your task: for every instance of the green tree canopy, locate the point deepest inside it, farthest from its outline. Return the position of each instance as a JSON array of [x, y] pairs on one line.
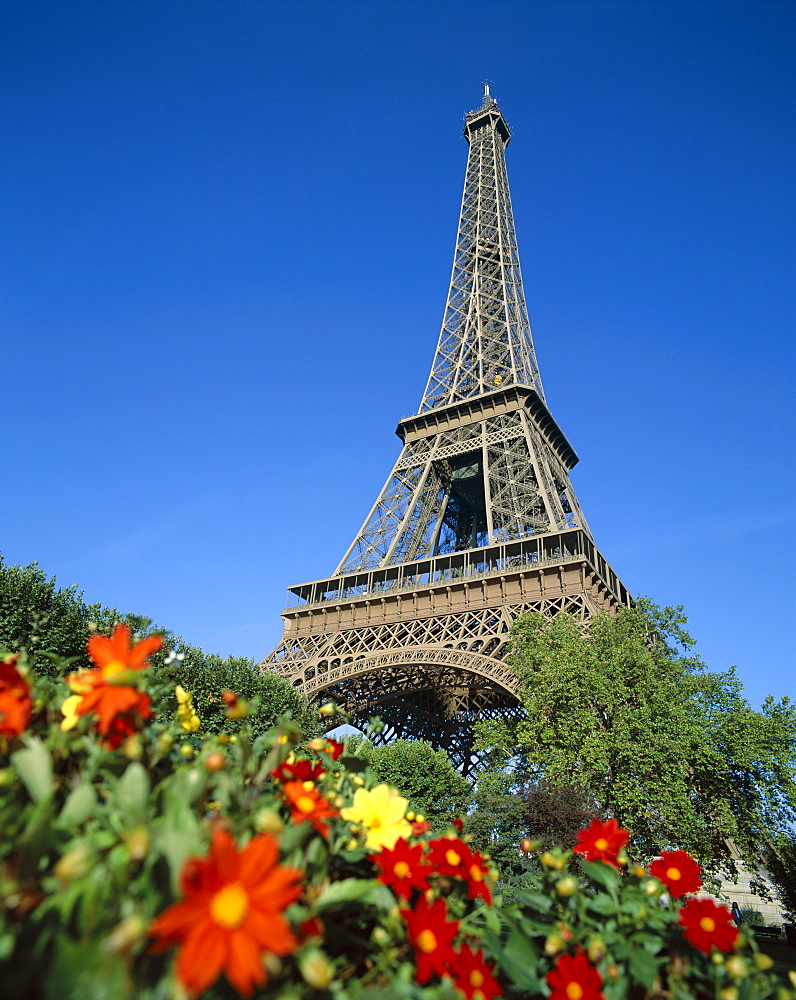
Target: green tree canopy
[[672, 750], [46, 619], [421, 774]]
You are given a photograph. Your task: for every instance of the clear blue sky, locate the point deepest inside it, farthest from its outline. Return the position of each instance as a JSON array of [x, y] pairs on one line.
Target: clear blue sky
[[226, 240]]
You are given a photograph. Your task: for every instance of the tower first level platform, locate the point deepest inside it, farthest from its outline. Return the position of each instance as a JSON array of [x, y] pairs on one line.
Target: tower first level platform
[[422, 644]]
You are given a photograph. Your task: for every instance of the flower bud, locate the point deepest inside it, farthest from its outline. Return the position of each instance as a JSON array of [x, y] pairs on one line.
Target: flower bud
[[186, 750], [763, 961], [379, 937], [717, 958], [132, 748], [553, 944], [316, 744], [554, 861], [638, 871], [736, 967], [527, 846], [165, 741], [125, 935], [567, 886], [138, 843], [268, 821], [729, 993], [329, 709], [316, 969], [613, 972], [74, 864], [223, 739], [652, 888], [596, 950], [792, 977], [215, 761]]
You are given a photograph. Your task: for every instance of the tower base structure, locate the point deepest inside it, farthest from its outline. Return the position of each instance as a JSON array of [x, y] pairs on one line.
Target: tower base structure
[[422, 644]]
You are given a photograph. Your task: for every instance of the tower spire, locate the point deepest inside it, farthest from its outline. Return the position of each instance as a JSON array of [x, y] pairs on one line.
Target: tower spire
[[485, 341]]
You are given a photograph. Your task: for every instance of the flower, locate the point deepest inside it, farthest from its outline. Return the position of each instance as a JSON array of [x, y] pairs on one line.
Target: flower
[[602, 841], [382, 812], [574, 978], [186, 713], [451, 856], [15, 700], [708, 925], [473, 976], [402, 868], [307, 803], [678, 871], [298, 770], [108, 689], [431, 934], [233, 911]]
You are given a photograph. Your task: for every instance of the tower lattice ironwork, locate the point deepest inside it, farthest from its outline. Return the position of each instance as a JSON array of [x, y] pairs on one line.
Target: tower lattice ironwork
[[477, 522]]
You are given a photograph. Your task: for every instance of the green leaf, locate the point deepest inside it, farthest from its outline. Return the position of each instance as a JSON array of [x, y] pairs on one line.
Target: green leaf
[[602, 904], [533, 900], [354, 764], [363, 890], [601, 873], [131, 794], [34, 767], [520, 960], [643, 967], [82, 970], [80, 804]]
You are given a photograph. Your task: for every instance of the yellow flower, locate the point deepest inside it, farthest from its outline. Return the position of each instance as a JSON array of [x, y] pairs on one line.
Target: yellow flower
[[189, 720], [382, 812], [69, 711]]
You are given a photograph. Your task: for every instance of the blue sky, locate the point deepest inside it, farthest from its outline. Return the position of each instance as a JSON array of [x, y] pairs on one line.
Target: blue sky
[[227, 236]]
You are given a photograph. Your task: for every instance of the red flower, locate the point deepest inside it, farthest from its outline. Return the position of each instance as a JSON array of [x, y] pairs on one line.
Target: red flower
[[431, 934], [707, 925], [458, 823], [602, 841], [306, 803], [419, 827], [450, 856], [574, 978], [232, 913], [678, 871], [402, 868], [473, 976], [299, 770], [334, 748], [15, 701]]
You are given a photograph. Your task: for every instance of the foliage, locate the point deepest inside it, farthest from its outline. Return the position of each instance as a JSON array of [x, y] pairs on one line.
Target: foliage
[[555, 812], [262, 864], [670, 749], [53, 625], [435, 789], [497, 824]]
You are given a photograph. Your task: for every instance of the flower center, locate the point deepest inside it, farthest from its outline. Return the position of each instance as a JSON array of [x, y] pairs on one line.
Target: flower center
[[574, 991], [602, 845], [426, 941], [708, 924], [673, 874], [401, 869], [476, 978], [305, 803], [476, 874], [229, 906], [452, 857], [114, 667], [375, 822]]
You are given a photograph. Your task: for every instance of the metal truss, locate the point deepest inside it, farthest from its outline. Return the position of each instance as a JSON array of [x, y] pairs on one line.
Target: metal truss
[[476, 523], [485, 341]]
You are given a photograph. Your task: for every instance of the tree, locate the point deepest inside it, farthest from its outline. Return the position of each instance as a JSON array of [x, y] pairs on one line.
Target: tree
[[672, 750], [46, 619], [423, 775], [553, 812]]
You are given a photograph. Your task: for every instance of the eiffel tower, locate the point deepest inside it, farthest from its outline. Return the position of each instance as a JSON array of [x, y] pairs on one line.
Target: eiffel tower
[[477, 522]]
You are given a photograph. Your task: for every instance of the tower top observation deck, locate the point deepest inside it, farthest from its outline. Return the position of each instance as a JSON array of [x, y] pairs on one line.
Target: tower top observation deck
[[488, 114]]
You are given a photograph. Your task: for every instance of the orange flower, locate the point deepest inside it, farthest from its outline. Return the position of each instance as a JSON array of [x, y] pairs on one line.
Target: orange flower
[[678, 871], [15, 700], [602, 841], [108, 690], [306, 802], [708, 925], [232, 913]]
